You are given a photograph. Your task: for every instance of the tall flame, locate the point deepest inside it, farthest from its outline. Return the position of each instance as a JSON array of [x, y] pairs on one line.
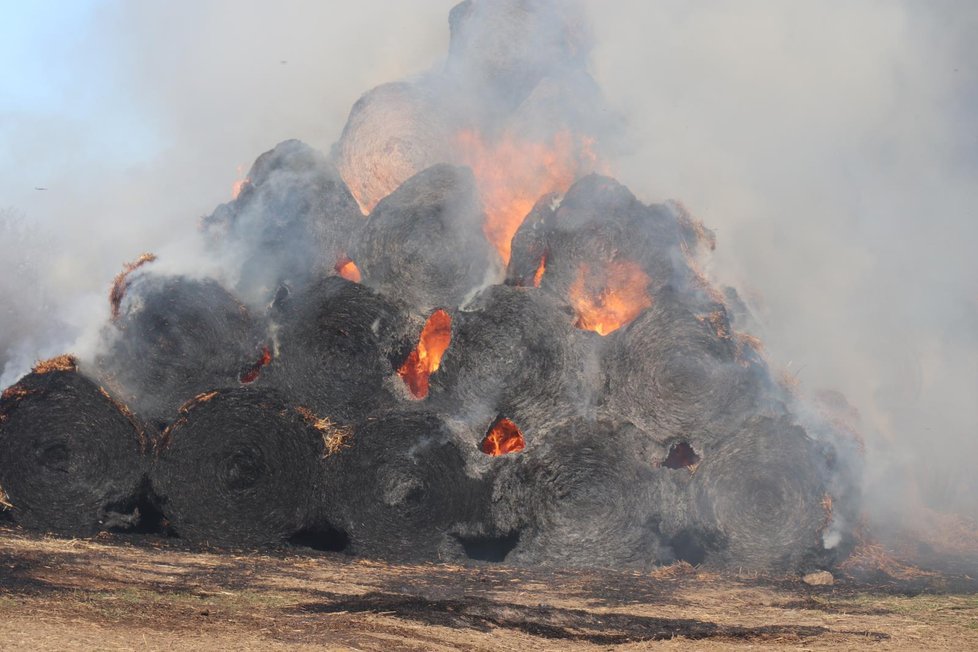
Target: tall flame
[[425, 359], [611, 297], [512, 174], [504, 437]]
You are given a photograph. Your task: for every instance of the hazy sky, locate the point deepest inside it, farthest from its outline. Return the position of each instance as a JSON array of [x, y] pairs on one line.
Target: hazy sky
[[831, 144]]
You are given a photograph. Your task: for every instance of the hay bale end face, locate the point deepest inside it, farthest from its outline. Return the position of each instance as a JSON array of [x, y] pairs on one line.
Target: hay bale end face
[[401, 489], [239, 468], [71, 457]]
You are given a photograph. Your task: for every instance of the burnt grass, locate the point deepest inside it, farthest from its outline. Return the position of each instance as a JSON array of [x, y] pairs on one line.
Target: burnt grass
[[475, 597]]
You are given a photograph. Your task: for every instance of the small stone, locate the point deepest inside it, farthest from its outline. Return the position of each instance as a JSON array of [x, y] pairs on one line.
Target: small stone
[[819, 578]]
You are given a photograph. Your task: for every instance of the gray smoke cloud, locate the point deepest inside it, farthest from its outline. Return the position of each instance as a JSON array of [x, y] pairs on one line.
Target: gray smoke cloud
[[830, 145]]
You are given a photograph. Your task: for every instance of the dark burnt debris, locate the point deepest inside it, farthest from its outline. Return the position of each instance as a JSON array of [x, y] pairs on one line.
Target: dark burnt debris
[[375, 374]]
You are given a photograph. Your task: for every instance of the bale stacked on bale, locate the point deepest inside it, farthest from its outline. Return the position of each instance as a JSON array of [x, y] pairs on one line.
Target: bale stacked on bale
[[292, 222], [423, 244], [71, 457], [514, 351], [337, 344], [240, 467], [174, 338]]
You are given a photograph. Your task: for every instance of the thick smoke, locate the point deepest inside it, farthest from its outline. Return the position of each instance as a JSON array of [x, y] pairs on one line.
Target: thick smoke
[[829, 144]]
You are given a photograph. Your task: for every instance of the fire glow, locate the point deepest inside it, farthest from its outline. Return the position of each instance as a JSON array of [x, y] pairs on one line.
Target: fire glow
[[348, 269], [251, 375], [504, 437], [512, 174], [607, 299], [425, 359]]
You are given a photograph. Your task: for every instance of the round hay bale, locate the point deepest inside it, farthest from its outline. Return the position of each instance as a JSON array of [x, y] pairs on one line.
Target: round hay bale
[[336, 343], [580, 496], [292, 222], [239, 468], [176, 337], [601, 232], [400, 490], [678, 374], [71, 458], [515, 351], [759, 500], [394, 131], [423, 244]]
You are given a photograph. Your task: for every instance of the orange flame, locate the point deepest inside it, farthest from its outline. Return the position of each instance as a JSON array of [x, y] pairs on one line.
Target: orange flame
[[251, 375], [239, 185], [425, 359], [513, 174], [538, 275], [504, 437], [610, 299], [348, 269]]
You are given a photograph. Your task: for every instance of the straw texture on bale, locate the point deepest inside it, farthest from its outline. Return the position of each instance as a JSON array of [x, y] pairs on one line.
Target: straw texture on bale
[[292, 222], [71, 458], [175, 338], [423, 244], [239, 468], [400, 489], [759, 499], [337, 341], [672, 373], [580, 496], [515, 352]]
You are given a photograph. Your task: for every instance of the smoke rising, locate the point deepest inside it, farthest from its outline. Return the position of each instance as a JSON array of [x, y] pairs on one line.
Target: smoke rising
[[830, 145]]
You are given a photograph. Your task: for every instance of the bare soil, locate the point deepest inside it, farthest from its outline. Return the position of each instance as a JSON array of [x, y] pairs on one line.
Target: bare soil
[[122, 593]]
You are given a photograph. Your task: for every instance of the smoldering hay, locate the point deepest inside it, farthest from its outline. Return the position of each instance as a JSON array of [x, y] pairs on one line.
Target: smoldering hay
[[454, 337]]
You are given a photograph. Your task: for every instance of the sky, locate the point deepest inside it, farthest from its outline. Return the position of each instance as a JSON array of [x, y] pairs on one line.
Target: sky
[[831, 144]]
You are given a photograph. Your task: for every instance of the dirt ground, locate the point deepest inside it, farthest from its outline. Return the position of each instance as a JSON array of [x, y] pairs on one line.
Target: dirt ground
[[119, 593]]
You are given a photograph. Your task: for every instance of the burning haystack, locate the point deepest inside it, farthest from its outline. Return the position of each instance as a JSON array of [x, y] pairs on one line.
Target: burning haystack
[[455, 337]]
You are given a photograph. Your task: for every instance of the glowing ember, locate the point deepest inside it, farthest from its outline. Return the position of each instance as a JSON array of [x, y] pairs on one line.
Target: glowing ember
[[504, 437], [681, 456], [425, 359], [348, 269], [538, 275], [251, 375], [610, 297], [513, 174]]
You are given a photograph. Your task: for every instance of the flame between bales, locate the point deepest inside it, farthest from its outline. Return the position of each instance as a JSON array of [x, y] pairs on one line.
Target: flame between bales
[[348, 269], [504, 437], [512, 174], [252, 373], [425, 359], [608, 298]]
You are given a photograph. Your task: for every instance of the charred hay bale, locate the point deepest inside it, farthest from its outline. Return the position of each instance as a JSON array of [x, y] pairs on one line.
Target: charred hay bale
[[174, 338], [400, 490], [760, 500], [423, 244], [515, 351], [71, 458], [601, 229], [580, 496], [680, 374], [239, 468], [292, 222], [336, 343], [394, 132]]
